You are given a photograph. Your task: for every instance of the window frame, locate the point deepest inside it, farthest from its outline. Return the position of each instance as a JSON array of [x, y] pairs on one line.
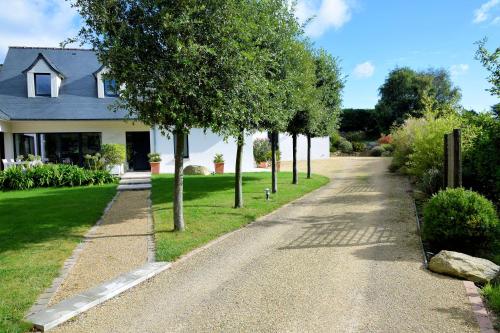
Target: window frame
[[109, 93], [49, 94]]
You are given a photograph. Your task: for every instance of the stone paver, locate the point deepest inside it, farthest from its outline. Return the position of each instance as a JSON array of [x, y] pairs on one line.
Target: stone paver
[[344, 258]]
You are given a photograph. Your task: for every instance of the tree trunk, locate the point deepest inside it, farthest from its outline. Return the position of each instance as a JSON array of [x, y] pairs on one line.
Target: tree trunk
[[294, 160], [238, 180], [308, 156], [179, 182], [273, 162]]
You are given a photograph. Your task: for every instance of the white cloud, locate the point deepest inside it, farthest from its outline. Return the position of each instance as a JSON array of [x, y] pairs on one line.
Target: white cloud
[[483, 13], [364, 70], [325, 14], [459, 69], [36, 23]]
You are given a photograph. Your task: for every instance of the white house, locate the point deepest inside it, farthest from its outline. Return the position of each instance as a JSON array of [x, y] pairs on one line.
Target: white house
[[54, 103]]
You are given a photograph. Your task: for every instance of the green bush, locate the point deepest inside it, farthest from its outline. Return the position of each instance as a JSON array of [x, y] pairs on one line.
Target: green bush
[[355, 136], [261, 148], [432, 181], [358, 146], [377, 151], [345, 146], [52, 175], [113, 154], [359, 120], [387, 147], [334, 141], [481, 159], [460, 220]]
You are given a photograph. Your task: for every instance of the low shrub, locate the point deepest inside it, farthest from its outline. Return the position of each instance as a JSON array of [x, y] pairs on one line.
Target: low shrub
[[387, 147], [460, 220], [432, 181], [377, 151], [52, 175], [345, 146], [334, 141], [113, 154], [385, 139], [358, 146], [355, 136]]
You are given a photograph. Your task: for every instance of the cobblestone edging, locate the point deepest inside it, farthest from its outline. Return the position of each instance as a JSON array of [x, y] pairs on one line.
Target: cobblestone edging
[[483, 317], [45, 298]]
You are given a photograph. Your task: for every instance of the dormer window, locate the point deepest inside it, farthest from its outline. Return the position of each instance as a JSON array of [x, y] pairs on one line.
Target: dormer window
[[42, 84], [43, 78], [110, 88]]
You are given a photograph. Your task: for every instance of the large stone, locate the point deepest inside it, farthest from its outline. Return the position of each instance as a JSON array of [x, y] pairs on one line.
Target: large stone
[[196, 170], [464, 266]]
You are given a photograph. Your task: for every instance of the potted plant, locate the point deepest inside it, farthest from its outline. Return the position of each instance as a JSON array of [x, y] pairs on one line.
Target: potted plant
[[219, 163], [154, 162]]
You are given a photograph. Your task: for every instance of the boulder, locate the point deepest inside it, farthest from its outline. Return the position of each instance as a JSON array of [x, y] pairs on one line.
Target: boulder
[[196, 170], [464, 266]]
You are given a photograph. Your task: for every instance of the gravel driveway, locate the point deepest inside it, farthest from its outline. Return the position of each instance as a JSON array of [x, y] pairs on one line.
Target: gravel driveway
[[345, 258]]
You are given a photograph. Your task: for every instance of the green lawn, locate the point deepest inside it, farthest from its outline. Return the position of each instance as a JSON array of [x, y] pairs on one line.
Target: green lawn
[[38, 231], [208, 202]]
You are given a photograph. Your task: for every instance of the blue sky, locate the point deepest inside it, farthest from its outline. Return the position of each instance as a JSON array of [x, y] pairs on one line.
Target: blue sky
[[371, 37]]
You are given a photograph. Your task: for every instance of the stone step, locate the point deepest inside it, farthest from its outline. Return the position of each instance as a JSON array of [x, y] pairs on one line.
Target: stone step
[[69, 308], [136, 175], [134, 187], [130, 181]]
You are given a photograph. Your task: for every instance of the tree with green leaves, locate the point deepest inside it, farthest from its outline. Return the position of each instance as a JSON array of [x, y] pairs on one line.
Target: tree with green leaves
[[403, 91], [264, 33], [329, 85], [172, 60], [490, 61]]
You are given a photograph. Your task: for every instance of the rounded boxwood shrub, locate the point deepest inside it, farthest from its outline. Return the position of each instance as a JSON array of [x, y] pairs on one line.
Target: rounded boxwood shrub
[[345, 146], [461, 220], [358, 146], [377, 151]]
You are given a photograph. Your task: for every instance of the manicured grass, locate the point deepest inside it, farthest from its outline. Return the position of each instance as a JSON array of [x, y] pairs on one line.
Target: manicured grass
[[208, 207], [492, 294], [38, 231]]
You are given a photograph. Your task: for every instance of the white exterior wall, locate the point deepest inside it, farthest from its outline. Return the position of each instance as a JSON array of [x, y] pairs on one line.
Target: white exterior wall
[[202, 149], [8, 139], [42, 67], [320, 147]]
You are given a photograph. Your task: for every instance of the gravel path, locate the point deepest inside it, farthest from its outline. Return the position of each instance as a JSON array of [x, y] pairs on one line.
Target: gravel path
[[117, 246], [342, 259]]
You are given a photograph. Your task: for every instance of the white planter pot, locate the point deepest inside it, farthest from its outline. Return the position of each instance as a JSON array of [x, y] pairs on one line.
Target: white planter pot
[[117, 169]]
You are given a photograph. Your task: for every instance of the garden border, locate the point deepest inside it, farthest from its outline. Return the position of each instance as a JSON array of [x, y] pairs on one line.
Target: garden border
[[44, 299]]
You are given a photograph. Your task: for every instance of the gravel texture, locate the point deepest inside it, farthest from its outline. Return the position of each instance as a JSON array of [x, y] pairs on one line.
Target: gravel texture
[[344, 258], [117, 246]]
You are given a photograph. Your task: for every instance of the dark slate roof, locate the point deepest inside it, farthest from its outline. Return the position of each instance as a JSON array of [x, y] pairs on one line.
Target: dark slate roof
[[77, 95], [48, 62]]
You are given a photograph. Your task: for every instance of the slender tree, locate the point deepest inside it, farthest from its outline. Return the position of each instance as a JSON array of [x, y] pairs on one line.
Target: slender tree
[[329, 85], [490, 61], [171, 59]]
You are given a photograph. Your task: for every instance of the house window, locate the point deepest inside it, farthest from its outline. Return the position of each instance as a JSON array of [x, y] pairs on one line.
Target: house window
[[186, 146], [110, 89], [25, 144], [69, 148], [42, 85]]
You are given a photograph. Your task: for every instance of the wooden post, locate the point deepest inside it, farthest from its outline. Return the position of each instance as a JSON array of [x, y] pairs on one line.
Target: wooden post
[[457, 158]]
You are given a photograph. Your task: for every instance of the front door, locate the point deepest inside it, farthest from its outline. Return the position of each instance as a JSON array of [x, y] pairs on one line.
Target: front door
[[138, 149]]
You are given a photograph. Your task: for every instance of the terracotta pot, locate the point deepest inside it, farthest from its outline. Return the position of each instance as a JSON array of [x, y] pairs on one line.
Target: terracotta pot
[[155, 168], [219, 168], [262, 165]]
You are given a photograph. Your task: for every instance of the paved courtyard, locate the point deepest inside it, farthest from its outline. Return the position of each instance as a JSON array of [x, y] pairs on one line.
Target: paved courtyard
[[345, 258]]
